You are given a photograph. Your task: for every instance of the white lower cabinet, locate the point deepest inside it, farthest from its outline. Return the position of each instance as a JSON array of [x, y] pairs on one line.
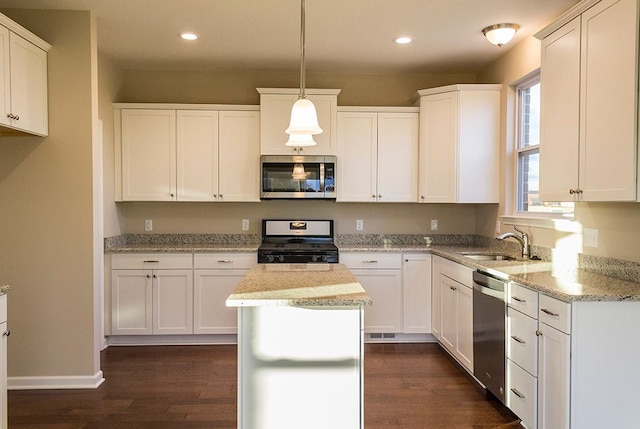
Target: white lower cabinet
[[416, 282], [553, 378], [380, 274], [455, 307], [151, 294], [4, 333], [216, 275]]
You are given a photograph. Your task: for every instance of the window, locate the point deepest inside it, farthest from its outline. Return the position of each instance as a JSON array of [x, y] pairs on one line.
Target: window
[[528, 152]]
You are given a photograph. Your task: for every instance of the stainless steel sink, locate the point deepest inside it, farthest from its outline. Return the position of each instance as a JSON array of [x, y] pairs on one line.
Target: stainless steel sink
[[488, 257]]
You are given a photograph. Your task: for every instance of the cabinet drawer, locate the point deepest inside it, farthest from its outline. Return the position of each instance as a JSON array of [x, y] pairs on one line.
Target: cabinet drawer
[[151, 261], [522, 341], [555, 313], [3, 308], [522, 394], [458, 272], [372, 260], [523, 299], [224, 260]]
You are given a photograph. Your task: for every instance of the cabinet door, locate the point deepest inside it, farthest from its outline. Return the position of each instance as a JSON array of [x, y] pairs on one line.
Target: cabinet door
[[438, 134], [148, 155], [4, 332], [385, 289], [131, 296], [211, 290], [239, 172], [464, 348], [553, 378], [608, 112], [197, 155], [28, 86], [357, 156], [416, 284], [5, 77], [275, 110], [559, 111], [397, 157], [172, 302], [449, 321], [436, 300]]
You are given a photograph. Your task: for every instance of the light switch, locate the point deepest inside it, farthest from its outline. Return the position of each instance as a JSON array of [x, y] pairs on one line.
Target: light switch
[[245, 224], [148, 225], [359, 225], [590, 237], [434, 224]]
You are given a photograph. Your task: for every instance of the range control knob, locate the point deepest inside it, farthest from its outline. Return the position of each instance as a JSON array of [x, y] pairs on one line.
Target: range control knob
[[324, 258], [314, 258], [281, 258], [270, 258]]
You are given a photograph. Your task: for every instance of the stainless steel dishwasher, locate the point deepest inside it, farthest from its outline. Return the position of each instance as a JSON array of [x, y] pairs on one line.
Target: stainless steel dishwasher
[[489, 322]]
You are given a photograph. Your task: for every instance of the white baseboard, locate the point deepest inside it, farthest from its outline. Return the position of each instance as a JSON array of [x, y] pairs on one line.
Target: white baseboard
[[56, 382]]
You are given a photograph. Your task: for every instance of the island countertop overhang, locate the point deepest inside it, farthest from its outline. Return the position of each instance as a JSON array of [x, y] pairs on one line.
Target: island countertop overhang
[[299, 285]]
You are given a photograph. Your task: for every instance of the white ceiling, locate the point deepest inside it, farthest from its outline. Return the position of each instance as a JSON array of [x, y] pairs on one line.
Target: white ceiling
[[342, 35]]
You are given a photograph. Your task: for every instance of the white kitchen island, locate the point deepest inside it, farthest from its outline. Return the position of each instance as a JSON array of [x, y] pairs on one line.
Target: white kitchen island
[[300, 347]]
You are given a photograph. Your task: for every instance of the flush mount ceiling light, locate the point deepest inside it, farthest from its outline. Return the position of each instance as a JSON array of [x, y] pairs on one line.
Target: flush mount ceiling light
[[187, 36], [403, 40], [500, 34], [304, 119]]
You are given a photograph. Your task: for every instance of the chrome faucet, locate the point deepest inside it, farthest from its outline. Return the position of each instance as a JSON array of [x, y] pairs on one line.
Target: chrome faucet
[[523, 240]]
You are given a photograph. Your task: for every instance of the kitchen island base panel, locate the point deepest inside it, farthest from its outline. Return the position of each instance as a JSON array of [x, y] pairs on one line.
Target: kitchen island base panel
[[300, 367]]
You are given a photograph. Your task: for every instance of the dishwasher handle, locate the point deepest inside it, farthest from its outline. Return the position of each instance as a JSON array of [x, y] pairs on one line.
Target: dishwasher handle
[[489, 285]]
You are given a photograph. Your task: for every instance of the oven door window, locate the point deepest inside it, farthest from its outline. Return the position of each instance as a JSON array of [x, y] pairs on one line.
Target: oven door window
[[289, 177]]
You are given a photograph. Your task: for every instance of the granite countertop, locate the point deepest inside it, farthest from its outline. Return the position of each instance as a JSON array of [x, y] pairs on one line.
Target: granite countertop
[[184, 248], [299, 285], [4, 289], [566, 284]]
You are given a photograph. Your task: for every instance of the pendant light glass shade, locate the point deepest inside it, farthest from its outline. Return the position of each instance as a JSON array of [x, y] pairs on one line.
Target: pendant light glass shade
[[304, 119], [299, 140], [500, 34]]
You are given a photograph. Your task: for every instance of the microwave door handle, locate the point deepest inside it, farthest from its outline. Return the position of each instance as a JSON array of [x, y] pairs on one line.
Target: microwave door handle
[[322, 177]]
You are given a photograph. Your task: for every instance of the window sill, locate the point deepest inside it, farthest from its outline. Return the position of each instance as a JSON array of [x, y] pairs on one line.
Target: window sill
[[541, 221]]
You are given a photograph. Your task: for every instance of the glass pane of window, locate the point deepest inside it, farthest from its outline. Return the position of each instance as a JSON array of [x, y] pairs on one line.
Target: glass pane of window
[[530, 118]]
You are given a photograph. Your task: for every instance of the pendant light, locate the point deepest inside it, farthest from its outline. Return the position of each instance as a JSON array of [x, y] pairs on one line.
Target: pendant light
[[304, 119]]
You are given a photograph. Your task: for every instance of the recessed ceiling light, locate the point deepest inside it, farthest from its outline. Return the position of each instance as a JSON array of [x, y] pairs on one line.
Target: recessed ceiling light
[[188, 36], [403, 40]]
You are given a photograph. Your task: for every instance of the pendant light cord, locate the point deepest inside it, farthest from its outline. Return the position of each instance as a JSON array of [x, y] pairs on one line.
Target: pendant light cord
[[303, 92]]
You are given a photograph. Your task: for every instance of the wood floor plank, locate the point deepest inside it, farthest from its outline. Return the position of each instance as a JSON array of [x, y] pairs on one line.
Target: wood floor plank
[[191, 387]]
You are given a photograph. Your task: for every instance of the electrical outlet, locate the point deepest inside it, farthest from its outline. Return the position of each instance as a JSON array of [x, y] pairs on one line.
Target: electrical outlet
[[590, 237], [434, 224], [497, 227], [359, 225], [148, 225], [245, 224]]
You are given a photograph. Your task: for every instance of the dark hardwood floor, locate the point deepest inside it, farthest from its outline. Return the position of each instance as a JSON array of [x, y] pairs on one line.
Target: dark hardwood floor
[[406, 386]]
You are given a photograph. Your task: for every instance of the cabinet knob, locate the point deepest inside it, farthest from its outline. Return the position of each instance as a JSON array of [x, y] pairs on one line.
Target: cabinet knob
[[155, 276], [6, 333], [406, 260], [220, 196], [148, 276], [422, 197], [538, 332], [215, 195], [172, 195], [572, 191], [379, 196]]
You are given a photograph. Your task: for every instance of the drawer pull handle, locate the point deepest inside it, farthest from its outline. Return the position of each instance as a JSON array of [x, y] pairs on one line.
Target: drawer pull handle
[[150, 262], [515, 298], [549, 312], [225, 261], [518, 394], [370, 261], [518, 340]]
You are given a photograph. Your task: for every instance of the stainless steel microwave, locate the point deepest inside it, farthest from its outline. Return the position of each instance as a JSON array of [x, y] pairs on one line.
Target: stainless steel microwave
[[298, 176]]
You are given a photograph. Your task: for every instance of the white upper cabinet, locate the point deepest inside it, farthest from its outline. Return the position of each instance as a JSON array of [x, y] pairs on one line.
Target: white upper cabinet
[[189, 154], [589, 103], [23, 80], [459, 144], [275, 111], [377, 155]]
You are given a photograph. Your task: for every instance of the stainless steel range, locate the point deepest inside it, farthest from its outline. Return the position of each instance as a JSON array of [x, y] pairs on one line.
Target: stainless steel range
[[297, 241]]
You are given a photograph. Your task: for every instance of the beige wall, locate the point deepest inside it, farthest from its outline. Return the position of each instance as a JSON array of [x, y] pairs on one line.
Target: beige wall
[[618, 224], [46, 206]]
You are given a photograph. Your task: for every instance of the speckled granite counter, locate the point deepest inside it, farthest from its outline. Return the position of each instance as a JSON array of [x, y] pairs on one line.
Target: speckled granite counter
[[299, 285], [182, 243], [4, 289]]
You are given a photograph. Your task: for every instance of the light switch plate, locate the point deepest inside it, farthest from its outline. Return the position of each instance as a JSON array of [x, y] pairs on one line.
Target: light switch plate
[[148, 225], [434, 224], [590, 237], [245, 224], [359, 225]]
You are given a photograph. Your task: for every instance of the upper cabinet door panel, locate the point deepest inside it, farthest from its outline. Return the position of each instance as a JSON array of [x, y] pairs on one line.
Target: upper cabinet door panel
[[197, 155], [148, 155], [560, 98], [5, 74], [608, 101], [28, 86]]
